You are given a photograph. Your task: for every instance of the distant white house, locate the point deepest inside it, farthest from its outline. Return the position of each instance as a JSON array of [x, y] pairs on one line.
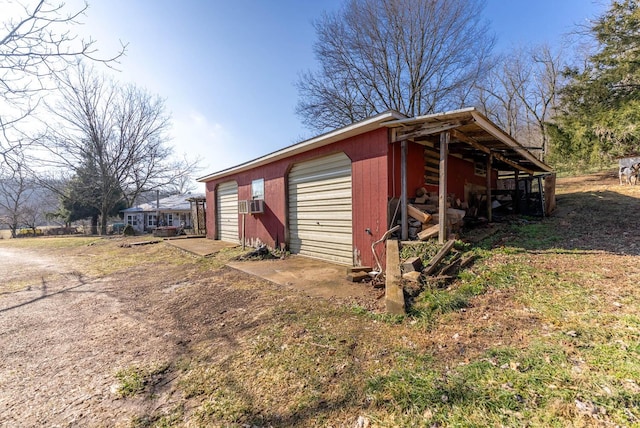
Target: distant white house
[[177, 211]]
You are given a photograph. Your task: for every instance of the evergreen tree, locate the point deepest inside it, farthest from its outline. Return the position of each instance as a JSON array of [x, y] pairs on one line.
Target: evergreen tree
[[600, 117]]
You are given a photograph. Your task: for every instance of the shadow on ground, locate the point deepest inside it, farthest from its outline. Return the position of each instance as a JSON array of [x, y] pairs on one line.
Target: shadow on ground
[[591, 221]]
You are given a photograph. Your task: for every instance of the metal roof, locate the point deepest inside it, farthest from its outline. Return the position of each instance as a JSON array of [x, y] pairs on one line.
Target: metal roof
[[170, 203], [471, 133], [357, 128]]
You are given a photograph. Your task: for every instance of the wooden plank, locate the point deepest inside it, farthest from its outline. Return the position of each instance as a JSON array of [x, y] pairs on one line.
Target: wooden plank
[[433, 263], [412, 264], [489, 174], [425, 130], [430, 153], [442, 186], [358, 276], [512, 164], [353, 269], [394, 295], [431, 169], [460, 136], [422, 217], [429, 232], [452, 264], [430, 180]]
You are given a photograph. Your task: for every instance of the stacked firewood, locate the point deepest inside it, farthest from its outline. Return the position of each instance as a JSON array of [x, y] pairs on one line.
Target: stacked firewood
[[423, 224]]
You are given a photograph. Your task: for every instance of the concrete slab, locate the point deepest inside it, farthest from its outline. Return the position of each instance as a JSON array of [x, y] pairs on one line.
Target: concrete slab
[[314, 277], [200, 246]]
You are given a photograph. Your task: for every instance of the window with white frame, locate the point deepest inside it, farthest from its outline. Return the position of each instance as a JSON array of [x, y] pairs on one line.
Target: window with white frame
[[152, 220], [169, 219], [257, 189], [132, 219]]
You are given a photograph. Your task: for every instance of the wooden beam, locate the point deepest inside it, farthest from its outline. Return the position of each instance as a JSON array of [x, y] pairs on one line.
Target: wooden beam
[[404, 227], [426, 130], [469, 140], [516, 202], [489, 174], [512, 164], [433, 263], [442, 186], [508, 140], [430, 169], [476, 145], [394, 295]]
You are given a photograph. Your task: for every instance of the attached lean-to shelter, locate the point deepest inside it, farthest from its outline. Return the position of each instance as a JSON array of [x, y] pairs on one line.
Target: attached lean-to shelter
[[330, 197]]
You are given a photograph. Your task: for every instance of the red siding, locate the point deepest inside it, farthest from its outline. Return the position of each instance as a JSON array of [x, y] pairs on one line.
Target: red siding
[[415, 169], [368, 153]]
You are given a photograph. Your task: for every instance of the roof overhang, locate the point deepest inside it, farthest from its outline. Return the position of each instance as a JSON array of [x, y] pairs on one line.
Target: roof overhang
[[471, 133], [354, 129]]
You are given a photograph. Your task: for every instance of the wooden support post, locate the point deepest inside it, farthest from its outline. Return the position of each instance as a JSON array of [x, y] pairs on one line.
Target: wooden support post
[[516, 201], [403, 191], [489, 174], [442, 186], [394, 294]]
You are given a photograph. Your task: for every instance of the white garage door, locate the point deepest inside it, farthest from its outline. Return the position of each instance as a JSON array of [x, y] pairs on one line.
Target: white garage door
[[320, 209], [227, 211]]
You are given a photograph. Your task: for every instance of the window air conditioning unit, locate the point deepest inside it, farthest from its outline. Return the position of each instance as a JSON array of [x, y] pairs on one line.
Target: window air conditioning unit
[[243, 207], [256, 206]]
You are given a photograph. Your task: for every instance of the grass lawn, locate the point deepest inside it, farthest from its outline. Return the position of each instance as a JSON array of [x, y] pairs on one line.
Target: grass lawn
[[541, 330]]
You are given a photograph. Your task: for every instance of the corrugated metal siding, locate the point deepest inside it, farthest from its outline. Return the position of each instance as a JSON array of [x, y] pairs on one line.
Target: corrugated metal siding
[[227, 211], [320, 206]]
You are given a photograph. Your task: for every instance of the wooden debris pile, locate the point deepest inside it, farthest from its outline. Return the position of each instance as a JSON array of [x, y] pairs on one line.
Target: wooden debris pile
[[139, 243], [423, 217], [441, 267]]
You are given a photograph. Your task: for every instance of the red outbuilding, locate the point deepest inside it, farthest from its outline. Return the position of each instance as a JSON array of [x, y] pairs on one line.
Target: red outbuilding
[[332, 196]]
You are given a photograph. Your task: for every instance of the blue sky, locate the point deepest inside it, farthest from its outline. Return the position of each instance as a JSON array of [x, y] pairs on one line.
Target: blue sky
[[227, 69]]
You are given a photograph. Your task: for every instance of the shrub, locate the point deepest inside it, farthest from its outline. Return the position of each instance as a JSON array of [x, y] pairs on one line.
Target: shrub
[[128, 230]]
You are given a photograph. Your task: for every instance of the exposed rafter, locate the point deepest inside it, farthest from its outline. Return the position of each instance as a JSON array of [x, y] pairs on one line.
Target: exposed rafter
[[460, 136], [424, 130]]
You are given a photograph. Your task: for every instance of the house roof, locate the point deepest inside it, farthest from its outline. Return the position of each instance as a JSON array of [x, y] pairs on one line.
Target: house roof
[[357, 128], [170, 203], [470, 133]]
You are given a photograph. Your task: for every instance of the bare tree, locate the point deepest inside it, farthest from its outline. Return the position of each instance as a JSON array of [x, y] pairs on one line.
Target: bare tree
[[117, 133], [498, 97], [15, 191], [22, 201], [522, 93], [413, 56], [36, 42]]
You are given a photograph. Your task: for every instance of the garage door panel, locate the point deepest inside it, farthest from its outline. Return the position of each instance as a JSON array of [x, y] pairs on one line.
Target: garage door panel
[[227, 211], [319, 250], [342, 190], [337, 194], [325, 218], [321, 169], [320, 209], [334, 234]]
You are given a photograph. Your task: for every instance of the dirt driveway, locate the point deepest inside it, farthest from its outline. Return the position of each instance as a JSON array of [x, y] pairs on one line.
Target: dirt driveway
[[69, 324]]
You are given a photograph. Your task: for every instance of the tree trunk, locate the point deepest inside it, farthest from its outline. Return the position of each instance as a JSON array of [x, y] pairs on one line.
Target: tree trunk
[[103, 224], [94, 225]]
